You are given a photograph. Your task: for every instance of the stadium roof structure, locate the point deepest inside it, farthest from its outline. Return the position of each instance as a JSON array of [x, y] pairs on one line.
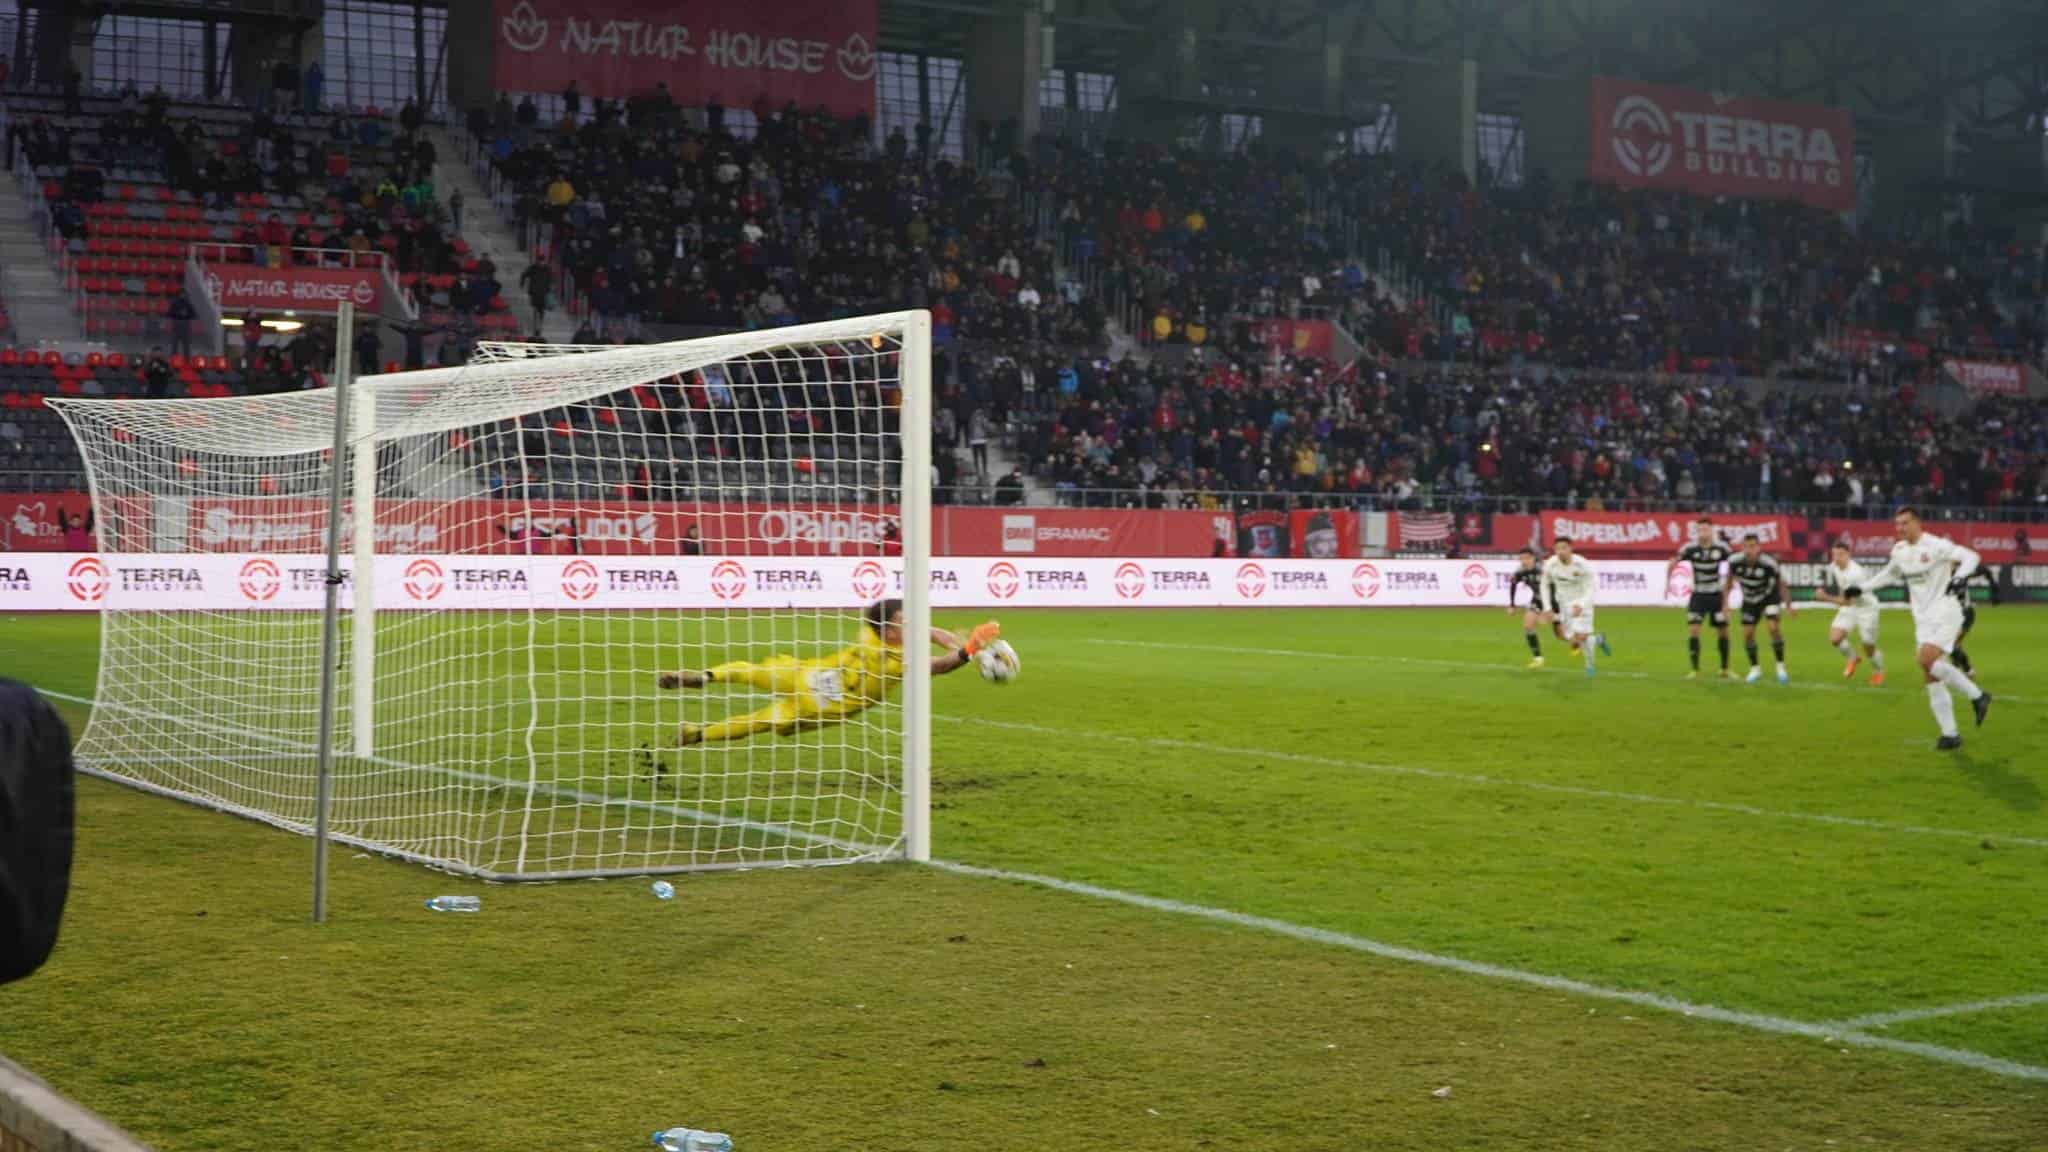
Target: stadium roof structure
[[1976, 64]]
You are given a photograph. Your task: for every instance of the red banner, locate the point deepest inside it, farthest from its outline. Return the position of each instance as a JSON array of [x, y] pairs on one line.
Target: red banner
[[1310, 338], [810, 52], [1651, 136], [246, 287], [1652, 534], [642, 529], [40, 522], [1989, 378], [1325, 533], [1999, 542], [1080, 532]]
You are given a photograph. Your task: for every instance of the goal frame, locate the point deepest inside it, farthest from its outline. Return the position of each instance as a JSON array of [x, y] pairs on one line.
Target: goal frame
[[356, 737]]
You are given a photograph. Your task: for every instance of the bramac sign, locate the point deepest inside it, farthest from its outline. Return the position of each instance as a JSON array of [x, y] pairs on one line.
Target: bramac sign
[[257, 582], [1651, 136], [810, 52], [246, 287]]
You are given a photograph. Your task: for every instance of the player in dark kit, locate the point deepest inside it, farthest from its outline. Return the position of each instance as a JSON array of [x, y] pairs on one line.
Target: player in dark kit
[[1957, 656], [1530, 576], [1764, 597], [1709, 601]]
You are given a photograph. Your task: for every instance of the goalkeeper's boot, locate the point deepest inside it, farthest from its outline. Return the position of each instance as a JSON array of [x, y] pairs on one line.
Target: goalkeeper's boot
[[1849, 669], [1948, 743], [1535, 662], [673, 680], [1756, 673], [1982, 707], [689, 734]]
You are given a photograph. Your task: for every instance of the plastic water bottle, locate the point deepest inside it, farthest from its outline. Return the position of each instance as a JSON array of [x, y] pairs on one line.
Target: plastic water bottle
[[455, 904], [692, 1140], [663, 890]]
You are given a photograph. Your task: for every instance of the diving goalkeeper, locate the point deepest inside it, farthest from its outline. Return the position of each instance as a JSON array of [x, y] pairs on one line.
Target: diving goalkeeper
[[814, 693]]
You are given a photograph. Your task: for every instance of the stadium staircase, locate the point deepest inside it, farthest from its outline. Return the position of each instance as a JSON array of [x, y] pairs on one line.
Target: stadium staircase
[[35, 298], [490, 234]]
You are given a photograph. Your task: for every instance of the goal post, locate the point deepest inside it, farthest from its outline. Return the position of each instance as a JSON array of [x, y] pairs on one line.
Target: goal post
[[531, 541]]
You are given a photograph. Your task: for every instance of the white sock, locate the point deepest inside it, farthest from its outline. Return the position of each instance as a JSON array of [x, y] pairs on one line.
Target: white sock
[[1953, 676], [1847, 649], [1877, 659], [1944, 708]]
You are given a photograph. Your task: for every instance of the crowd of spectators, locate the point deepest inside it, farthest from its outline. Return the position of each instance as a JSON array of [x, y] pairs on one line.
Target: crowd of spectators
[[658, 213], [1529, 302], [1127, 433]]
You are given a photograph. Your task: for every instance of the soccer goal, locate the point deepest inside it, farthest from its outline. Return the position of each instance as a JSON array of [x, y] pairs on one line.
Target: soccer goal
[[531, 541]]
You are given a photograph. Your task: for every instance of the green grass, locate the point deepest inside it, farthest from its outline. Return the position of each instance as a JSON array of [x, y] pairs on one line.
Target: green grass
[[1799, 852]]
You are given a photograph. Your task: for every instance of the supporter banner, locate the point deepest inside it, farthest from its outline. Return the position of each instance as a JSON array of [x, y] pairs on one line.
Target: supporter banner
[[1311, 338], [223, 582], [1655, 533], [1080, 532], [1988, 377], [1652, 136], [35, 523], [1324, 533], [810, 52], [243, 287], [1999, 542]]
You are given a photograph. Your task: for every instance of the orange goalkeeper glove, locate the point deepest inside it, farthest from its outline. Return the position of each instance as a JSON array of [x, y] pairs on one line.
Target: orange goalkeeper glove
[[982, 636]]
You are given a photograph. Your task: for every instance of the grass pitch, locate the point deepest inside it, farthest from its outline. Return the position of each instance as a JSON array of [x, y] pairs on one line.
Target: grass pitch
[[1800, 854]]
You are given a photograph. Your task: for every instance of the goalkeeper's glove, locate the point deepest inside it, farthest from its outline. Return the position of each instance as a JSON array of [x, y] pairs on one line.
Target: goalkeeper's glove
[[982, 636]]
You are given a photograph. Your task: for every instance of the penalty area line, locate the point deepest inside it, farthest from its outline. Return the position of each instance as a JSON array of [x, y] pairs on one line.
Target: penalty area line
[[1936, 1011], [1758, 1022]]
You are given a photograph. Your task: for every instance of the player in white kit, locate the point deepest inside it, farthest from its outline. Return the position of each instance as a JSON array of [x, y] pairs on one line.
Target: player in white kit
[[1857, 617], [1568, 586], [1930, 567]]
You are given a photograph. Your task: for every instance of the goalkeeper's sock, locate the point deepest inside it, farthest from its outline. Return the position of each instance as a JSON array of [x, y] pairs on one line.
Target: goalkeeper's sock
[[1692, 649], [1724, 653], [1535, 645]]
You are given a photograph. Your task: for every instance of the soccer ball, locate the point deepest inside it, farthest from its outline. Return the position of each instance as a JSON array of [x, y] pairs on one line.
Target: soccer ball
[[998, 662]]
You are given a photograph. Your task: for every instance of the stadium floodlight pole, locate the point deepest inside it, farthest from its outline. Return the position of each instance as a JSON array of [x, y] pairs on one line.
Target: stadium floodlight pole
[[330, 630], [914, 360]]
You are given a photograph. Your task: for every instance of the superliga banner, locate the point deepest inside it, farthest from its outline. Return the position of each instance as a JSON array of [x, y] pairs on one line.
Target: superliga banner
[[260, 582], [812, 52], [1651, 136]]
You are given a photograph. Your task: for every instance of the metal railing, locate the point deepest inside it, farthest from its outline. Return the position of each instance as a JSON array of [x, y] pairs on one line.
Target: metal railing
[[1045, 495]]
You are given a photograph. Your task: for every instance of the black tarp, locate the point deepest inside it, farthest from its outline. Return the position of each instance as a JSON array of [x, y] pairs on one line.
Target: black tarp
[[36, 812]]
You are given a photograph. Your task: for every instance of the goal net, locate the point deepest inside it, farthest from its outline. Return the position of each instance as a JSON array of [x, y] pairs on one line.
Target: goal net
[[530, 542]]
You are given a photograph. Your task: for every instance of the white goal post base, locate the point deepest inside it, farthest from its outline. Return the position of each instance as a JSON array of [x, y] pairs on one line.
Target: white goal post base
[[524, 737]]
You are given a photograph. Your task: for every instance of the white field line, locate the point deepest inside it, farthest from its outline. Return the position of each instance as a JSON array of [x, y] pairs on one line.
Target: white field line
[[1936, 1011], [1483, 780], [1827, 1033], [1567, 663]]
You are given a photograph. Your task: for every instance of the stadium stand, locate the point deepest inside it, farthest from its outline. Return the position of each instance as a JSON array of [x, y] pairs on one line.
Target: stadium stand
[[1581, 344]]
